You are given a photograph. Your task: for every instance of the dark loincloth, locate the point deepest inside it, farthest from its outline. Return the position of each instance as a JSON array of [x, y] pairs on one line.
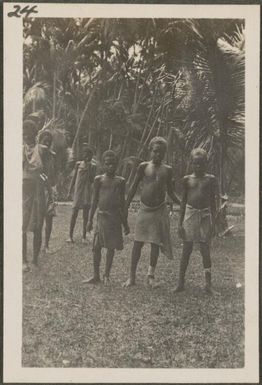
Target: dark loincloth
[[197, 224], [108, 231], [34, 199], [34, 205], [83, 185], [153, 226]]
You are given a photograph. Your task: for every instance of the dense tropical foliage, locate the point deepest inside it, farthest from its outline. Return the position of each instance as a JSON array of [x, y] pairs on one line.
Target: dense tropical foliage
[[118, 82]]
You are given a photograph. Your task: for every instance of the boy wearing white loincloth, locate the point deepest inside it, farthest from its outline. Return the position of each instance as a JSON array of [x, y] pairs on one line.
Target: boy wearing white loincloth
[[197, 215], [152, 224]]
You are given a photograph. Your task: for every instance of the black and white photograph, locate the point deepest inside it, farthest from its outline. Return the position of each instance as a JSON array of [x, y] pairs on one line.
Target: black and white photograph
[[133, 198]]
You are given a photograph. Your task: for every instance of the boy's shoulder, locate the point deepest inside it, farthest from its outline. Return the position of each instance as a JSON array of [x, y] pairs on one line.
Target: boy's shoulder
[[117, 178], [143, 165], [211, 176], [167, 167], [120, 178], [187, 177], [190, 176], [98, 178]]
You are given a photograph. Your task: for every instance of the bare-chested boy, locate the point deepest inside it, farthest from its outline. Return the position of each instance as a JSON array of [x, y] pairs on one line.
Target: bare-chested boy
[[82, 183], [109, 198], [152, 224], [45, 138], [197, 215]]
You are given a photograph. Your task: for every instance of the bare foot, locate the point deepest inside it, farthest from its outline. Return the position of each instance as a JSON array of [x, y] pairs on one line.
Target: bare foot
[[70, 240], [129, 283], [150, 280], [46, 250], [208, 290], [106, 281], [26, 268], [92, 280]]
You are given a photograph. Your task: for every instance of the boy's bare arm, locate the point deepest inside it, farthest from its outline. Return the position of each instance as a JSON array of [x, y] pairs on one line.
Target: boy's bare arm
[[214, 198], [73, 180], [138, 177], [170, 190], [183, 202], [94, 203], [122, 206]]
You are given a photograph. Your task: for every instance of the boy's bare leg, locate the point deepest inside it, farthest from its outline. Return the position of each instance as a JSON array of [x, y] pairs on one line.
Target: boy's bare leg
[[37, 241], [96, 264], [24, 251], [153, 262], [205, 252], [187, 250], [72, 224], [85, 220], [109, 260], [48, 230], [136, 254]]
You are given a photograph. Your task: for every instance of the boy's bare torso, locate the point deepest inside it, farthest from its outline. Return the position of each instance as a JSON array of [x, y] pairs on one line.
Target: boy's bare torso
[[110, 191], [200, 190], [155, 178]]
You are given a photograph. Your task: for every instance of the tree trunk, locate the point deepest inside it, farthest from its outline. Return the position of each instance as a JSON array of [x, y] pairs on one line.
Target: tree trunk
[[54, 95], [221, 169], [143, 148], [111, 140], [80, 124]]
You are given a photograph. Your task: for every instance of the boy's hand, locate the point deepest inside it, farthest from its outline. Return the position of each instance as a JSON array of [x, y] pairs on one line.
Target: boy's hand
[[181, 232], [126, 229], [89, 226], [126, 212]]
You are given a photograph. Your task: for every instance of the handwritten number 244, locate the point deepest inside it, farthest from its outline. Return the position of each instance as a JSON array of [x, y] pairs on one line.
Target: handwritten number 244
[[18, 12]]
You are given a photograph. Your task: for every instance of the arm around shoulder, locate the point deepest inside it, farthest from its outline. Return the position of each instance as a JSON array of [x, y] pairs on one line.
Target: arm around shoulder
[[170, 188]]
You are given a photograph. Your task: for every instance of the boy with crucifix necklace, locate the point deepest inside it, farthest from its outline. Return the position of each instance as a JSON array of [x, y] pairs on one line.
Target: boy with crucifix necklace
[[152, 224]]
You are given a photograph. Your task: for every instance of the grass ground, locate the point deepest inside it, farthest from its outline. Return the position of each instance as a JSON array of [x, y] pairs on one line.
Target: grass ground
[[66, 323]]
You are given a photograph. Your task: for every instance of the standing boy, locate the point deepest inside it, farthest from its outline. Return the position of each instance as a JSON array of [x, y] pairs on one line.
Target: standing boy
[[152, 224], [35, 185], [82, 183], [45, 138], [197, 215], [109, 198]]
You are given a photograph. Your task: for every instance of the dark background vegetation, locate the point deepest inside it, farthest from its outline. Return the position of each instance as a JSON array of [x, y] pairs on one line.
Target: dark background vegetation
[[116, 83]]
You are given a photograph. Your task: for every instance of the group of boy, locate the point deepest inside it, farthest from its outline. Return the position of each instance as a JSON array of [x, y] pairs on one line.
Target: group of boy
[[38, 182], [105, 194]]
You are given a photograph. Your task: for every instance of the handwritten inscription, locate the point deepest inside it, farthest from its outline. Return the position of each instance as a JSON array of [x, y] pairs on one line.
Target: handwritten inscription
[[24, 11]]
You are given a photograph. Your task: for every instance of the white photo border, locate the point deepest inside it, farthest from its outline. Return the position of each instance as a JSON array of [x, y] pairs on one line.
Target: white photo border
[[13, 87]]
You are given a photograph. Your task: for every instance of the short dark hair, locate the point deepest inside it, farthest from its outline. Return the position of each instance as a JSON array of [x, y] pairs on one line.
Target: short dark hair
[[200, 152], [158, 140], [88, 147], [109, 154], [29, 128]]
